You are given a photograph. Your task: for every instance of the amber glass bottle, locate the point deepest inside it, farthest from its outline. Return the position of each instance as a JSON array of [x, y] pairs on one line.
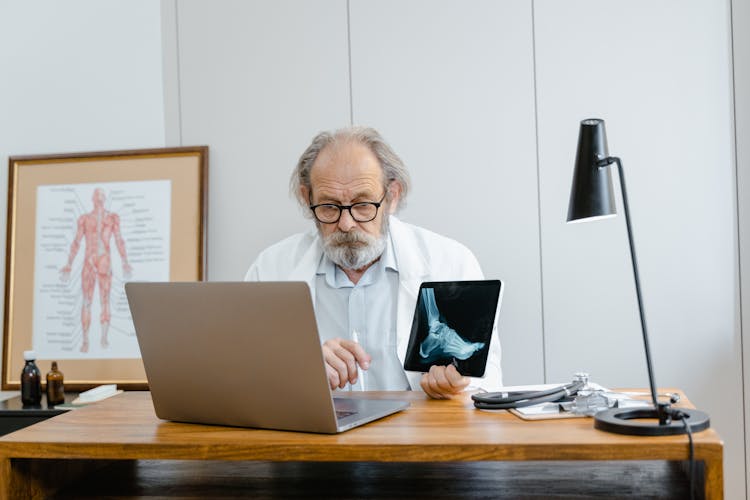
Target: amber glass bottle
[[31, 381], [55, 389]]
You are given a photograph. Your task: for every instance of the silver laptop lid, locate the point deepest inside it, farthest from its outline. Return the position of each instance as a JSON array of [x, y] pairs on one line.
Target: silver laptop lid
[[242, 354]]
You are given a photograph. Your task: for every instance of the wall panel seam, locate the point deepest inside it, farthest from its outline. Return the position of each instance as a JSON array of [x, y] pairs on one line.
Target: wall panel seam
[[538, 191], [743, 353], [179, 71], [349, 53]]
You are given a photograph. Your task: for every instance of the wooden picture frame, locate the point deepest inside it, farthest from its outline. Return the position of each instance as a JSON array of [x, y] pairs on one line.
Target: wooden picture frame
[[79, 226]]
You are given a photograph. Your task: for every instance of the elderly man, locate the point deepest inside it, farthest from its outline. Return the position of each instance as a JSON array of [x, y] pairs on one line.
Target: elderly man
[[364, 266]]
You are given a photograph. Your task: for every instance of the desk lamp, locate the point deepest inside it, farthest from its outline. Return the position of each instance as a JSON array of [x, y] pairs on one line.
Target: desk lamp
[[591, 197]]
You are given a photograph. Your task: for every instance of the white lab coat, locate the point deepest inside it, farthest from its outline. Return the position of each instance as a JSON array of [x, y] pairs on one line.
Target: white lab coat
[[421, 255]]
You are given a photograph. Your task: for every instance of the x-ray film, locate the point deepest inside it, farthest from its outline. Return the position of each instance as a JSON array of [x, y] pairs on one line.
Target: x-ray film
[[453, 324]]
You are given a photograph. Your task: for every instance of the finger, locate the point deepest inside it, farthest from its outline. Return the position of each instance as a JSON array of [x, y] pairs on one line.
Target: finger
[[435, 388], [350, 363], [425, 383], [360, 355], [434, 382], [337, 364], [333, 377], [439, 383], [446, 381], [342, 349], [457, 381]]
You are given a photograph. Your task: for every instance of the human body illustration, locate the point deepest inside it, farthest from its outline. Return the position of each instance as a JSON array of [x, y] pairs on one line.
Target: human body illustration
[[442, 341], [98, 227]]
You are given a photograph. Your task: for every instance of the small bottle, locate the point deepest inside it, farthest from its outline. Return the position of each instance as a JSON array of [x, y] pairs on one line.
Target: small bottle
[[31, 381], [55, 389], [589, 399]]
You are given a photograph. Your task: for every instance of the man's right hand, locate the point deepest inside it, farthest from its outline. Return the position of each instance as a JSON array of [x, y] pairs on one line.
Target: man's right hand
[[342, 358]]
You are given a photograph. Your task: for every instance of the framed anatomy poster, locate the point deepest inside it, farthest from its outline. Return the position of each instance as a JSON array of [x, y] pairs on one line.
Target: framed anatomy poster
[[79, 227]]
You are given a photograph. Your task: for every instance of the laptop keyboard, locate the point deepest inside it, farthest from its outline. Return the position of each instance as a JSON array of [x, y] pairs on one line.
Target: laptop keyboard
[[344, 407]]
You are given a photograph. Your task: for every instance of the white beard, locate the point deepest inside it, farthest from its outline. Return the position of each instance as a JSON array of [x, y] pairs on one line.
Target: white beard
[[355, 249]]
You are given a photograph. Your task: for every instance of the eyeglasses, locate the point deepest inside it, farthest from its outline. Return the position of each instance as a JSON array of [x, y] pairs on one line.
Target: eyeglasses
[[330, 213]]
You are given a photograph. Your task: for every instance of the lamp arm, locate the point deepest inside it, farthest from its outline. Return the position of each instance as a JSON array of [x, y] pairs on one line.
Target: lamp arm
[[603, 163]]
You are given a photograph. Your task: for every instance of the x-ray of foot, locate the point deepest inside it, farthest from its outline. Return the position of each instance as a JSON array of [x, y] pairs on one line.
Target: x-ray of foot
[[442, 341]]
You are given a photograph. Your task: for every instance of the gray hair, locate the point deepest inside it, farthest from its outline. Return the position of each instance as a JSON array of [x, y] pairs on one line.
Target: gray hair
[[392, 166]]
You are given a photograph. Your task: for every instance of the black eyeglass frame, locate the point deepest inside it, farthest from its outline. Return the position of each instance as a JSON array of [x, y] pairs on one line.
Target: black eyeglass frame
[[341, 208]]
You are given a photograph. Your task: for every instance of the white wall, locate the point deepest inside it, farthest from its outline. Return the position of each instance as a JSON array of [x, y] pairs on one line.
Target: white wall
[[78, 76], [741, 45]]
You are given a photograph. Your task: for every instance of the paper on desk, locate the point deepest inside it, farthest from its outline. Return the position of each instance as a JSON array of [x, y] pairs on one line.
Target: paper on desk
[[542, 410], [554, 410], [537, 387], [96, 394]]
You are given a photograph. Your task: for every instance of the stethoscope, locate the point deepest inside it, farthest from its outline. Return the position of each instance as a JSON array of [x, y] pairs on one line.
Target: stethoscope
[[519, 399]]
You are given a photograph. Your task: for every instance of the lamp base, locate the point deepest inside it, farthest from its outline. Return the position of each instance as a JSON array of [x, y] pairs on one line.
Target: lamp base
[[670, 421]]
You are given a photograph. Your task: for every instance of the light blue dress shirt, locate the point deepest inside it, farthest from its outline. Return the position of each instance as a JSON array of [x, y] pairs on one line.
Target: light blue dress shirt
[[366, 313]]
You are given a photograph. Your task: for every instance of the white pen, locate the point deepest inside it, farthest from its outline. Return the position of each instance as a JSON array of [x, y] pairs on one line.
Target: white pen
[[361, 379]]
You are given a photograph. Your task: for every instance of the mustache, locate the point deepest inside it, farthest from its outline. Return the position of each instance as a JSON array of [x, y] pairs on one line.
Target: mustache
[[354, 249], [352, 238]]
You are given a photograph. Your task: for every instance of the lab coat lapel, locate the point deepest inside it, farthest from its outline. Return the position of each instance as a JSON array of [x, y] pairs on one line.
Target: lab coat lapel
[[407, 301], [308, 264], [412, 271]]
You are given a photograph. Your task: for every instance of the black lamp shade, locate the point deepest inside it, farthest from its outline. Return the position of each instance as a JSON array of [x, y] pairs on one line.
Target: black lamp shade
[[591, 194]]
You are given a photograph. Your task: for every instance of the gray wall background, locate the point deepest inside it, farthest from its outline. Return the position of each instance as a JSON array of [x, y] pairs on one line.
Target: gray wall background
[[741, 65], [482, 99], [78, 76]]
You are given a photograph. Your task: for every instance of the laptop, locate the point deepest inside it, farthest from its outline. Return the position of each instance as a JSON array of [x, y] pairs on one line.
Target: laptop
[[241, 354]]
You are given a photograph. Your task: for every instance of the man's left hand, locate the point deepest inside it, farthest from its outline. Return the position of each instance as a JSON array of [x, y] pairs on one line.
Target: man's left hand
[[443, 382]]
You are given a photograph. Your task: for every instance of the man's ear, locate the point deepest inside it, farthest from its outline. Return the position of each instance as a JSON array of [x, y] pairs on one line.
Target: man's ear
[[304, 195], [394, 192]]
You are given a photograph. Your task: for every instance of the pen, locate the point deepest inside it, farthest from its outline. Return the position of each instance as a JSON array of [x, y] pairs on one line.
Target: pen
[[361, 380]]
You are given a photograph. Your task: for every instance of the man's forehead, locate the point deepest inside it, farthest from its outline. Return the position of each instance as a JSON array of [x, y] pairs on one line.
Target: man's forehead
[[347, 163]]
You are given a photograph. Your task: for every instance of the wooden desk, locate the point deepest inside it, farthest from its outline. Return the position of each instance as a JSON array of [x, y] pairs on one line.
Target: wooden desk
[[126, 428]]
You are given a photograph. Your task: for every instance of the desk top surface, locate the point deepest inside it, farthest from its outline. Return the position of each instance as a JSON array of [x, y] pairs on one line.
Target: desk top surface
[[126, 427]]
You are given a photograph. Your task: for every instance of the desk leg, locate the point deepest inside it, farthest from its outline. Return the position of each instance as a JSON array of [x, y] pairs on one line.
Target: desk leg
[[32, 479], [714, 478], [5, 478]]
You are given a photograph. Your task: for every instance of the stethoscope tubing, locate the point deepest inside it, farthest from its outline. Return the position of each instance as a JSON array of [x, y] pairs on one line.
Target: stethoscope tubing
[[520, 399]]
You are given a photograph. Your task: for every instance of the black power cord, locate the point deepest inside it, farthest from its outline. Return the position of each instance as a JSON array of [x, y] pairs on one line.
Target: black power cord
[[678, 415]]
